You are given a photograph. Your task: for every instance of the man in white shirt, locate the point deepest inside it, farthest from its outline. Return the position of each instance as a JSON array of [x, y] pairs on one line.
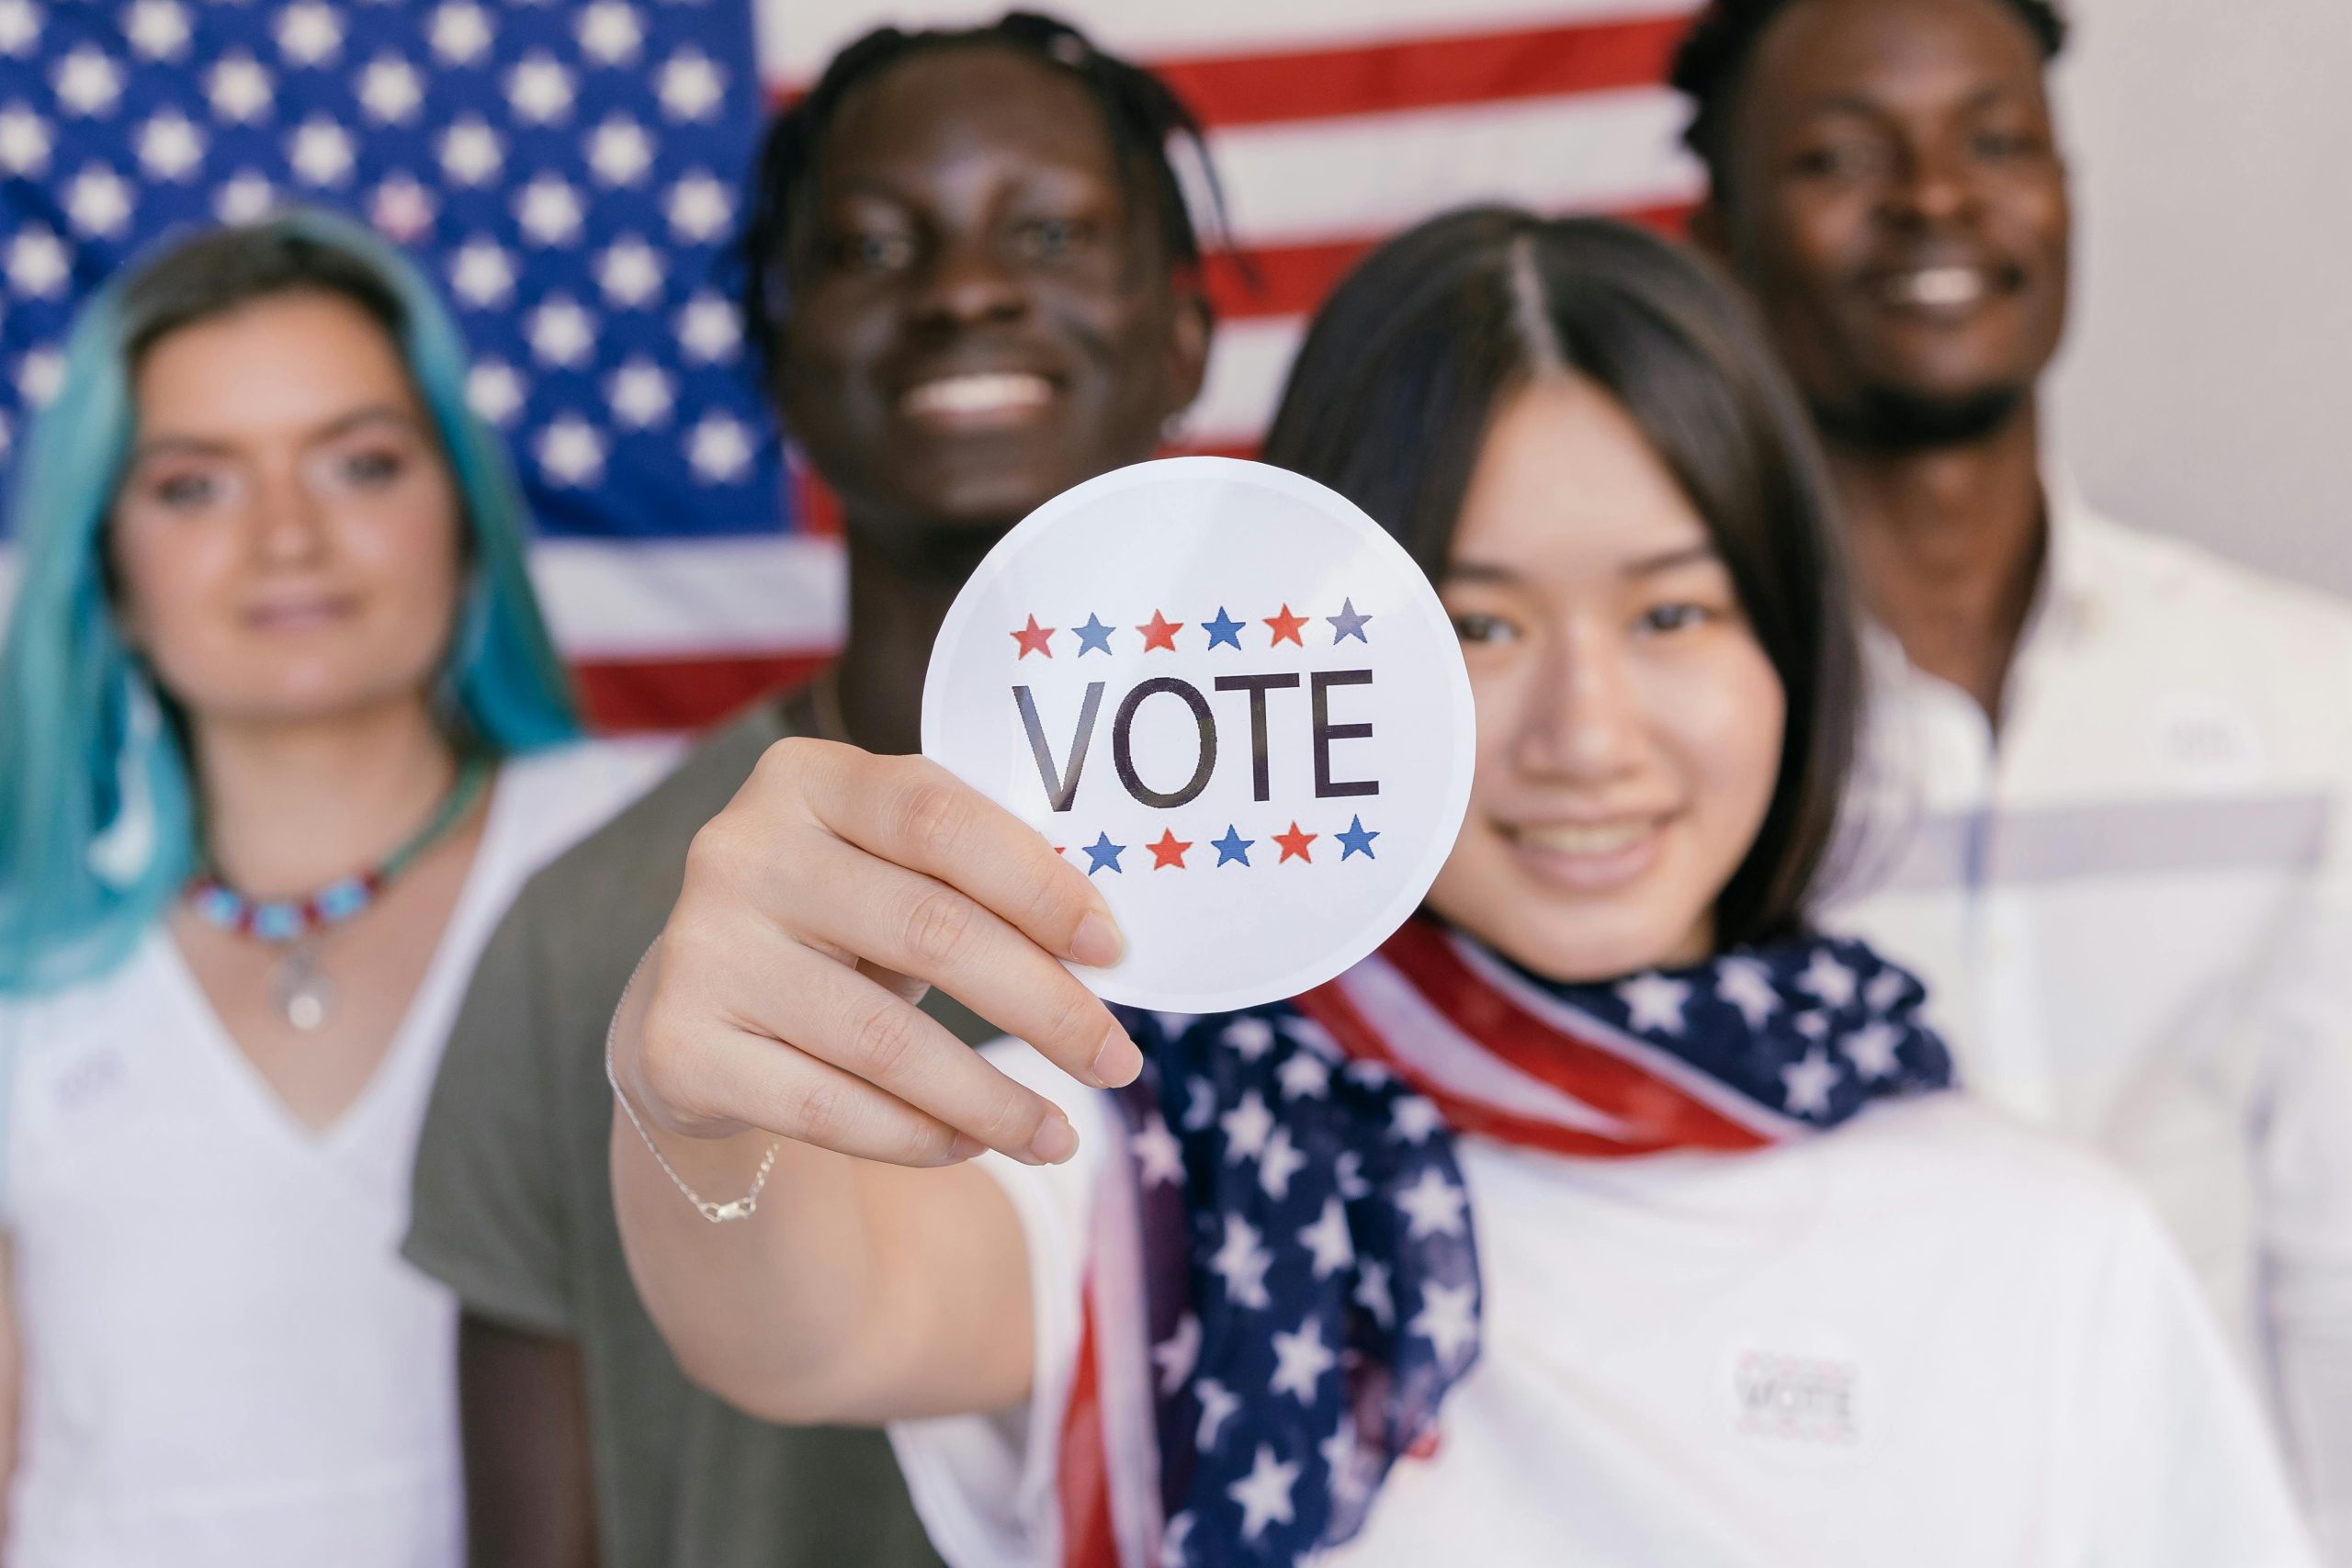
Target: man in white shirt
[[2108, 810]]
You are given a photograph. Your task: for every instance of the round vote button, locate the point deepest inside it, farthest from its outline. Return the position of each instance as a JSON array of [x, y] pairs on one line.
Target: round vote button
[[1220, 690]]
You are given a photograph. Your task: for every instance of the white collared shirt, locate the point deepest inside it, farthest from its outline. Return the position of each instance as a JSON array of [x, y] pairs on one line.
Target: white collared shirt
[[2134, 912]]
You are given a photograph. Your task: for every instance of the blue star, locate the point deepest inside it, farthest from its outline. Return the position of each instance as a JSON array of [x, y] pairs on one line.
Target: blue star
[[1093, 637], [1347, 624], [1103, 852], [1356, 838], [1224, 630], [1233, 846]]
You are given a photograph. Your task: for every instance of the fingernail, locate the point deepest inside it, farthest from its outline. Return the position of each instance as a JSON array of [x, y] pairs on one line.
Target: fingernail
[[1055, 1141], [1097, 943], [964, 1148], [1117, 1061]]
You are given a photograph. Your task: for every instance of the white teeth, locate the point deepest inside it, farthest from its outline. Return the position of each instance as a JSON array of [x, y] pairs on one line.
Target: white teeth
[[985, 392], [1573, 838], [1941, 285]]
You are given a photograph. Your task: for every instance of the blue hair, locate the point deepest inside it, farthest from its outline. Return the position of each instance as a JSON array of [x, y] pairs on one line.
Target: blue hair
[[99, 828]]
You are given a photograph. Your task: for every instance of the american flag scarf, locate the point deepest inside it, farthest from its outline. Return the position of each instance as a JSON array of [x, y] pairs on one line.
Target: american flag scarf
[[1283, 1275]]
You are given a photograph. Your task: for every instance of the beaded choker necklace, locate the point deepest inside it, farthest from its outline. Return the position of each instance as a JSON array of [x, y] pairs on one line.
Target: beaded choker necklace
[[300, 990]]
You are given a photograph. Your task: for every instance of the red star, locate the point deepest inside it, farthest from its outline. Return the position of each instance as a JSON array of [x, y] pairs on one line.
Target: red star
[[1160, 632], [1170, 851], [1295, 843], [1033, 639], [1286, 626]]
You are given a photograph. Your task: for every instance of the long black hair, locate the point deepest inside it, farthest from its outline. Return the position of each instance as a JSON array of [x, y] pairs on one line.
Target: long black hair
[[1407, 363]]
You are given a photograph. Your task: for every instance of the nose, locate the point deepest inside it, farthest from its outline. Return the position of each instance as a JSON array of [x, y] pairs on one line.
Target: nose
[[1584, 722], [968, 284], [1933, 187], [288, 525]]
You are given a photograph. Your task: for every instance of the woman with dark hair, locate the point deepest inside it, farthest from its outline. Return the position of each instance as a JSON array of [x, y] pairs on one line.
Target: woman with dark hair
[[1608, 1214], [280, 734]]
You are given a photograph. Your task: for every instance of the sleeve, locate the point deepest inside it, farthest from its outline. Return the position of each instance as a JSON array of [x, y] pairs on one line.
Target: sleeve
[[985, 1484], [2304, 1169], [2180, 1469], [486, 1216]]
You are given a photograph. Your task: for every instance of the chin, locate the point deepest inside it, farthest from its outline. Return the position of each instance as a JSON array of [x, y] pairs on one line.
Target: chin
[[1578, 947], [1895, 415], [309, 697]]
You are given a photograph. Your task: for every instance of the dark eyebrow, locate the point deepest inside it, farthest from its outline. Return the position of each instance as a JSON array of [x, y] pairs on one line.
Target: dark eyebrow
[[169, 446], [1476, 571], [1692, 554], [374, 414], [1703, 550], [194, 446], [1874, 108], [1847, 103]]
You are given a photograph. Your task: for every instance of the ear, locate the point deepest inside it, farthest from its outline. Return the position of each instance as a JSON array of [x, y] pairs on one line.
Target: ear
[[1190, 324]]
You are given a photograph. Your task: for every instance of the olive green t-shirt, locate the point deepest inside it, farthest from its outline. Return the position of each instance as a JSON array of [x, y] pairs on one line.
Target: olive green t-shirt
[[513, 1210]]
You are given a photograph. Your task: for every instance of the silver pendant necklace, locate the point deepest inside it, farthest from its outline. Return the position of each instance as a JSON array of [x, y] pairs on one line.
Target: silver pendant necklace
[[298, 985]]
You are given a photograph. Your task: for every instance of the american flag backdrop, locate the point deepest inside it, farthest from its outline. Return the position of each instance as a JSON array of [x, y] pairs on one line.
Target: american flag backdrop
[[568, 170]]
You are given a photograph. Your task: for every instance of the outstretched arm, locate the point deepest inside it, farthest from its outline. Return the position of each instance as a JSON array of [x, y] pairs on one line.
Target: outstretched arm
[[880, 1278]]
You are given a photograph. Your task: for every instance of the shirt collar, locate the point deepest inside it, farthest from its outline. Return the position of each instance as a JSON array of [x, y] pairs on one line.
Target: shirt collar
[[2067, 600]]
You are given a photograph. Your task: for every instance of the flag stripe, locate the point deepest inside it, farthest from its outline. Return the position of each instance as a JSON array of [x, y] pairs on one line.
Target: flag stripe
[[1427, 73], [776, 594], [1566, 1050], [797, 37], [1330, 1006], [1292, 280], [1314, 182], [684, 694]]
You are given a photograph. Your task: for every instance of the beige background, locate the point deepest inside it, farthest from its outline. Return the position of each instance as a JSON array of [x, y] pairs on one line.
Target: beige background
[[2207, 385]]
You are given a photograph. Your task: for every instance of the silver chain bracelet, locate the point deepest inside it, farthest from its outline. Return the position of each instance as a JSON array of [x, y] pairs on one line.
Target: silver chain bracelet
[[742, 1208]]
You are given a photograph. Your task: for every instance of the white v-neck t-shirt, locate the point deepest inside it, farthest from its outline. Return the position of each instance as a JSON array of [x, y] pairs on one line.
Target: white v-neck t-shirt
[[1928, 1338], [226, 1362]]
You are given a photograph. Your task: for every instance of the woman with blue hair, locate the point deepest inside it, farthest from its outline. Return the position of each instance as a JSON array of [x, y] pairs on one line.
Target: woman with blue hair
[[281, 732]]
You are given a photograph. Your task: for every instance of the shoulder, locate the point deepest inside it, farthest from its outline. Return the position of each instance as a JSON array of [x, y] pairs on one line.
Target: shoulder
[[644, 844], [558, 796], [2164, 578], [132, 992], [1949, 1160]]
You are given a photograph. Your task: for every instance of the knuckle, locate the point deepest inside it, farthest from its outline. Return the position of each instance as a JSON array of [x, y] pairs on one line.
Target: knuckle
[[718, 853], [825, 1114], [934, 816], [788, 761], [885, 1038], [938, 926], [1012, 1117], [1078, 1019], [1051, 904], [926, 1142], [667, 1064]]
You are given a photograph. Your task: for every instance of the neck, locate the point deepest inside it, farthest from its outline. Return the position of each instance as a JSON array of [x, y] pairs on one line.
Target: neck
[[289, 808], [896, 600], [1948, 549]]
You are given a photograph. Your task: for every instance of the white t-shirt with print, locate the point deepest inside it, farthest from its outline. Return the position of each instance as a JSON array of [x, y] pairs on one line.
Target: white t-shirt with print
[[226, 1362], [1928, 1337]]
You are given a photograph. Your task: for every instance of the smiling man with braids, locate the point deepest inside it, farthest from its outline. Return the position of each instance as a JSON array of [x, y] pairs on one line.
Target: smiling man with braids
[[973, 277]]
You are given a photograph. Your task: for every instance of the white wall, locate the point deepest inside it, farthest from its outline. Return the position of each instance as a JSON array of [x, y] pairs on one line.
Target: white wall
[[2207, 385]]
